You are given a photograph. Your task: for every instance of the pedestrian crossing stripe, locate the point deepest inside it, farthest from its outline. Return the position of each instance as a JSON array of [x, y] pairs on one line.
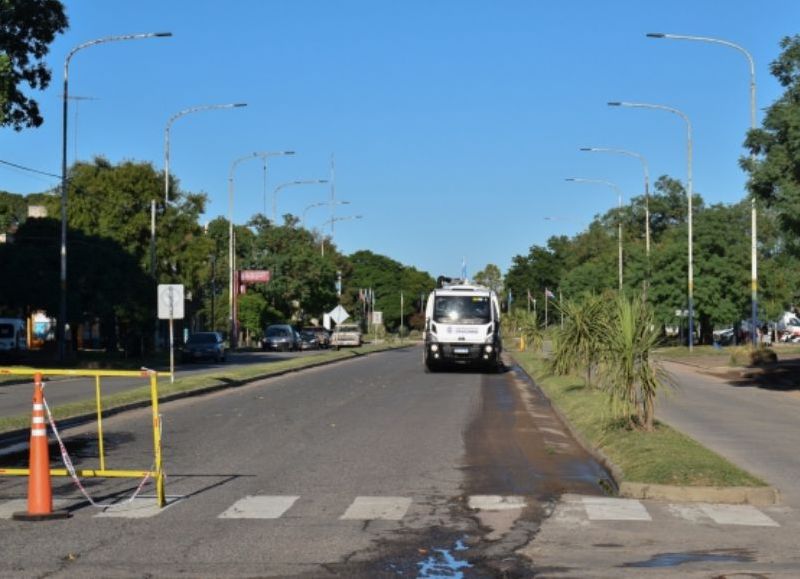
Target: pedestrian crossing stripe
[[260, 507], [571, 510]]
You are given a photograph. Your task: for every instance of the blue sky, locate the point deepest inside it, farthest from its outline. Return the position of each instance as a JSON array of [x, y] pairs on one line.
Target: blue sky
[[453, 123]]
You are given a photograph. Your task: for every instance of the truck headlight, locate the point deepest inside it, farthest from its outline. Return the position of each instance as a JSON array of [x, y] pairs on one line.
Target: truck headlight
[[488, 348], [434, 347]]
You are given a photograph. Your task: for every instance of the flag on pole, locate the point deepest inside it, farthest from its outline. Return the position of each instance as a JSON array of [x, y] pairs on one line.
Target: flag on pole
[[463, 268], [549, 294]]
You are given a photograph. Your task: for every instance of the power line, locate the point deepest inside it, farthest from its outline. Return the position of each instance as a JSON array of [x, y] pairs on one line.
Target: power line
[[29, 169]]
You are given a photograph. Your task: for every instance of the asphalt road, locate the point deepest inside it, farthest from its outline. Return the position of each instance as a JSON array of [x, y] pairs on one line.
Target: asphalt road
[[15, 399], [373, 468], [366, 468], [756, 428]]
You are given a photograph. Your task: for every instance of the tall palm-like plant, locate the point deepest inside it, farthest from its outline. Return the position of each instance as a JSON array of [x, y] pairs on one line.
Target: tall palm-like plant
[[578, 345], [522, 324], [629, 374]]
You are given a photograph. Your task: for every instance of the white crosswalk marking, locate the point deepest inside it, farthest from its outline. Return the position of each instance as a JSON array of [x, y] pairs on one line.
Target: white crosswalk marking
[[140, 508], [368, 508], [496, 502], [738, 515], [260, 507], [608, 509]]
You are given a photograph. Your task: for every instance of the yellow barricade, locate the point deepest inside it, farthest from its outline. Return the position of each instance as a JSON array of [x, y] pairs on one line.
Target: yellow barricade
[[157, 473]]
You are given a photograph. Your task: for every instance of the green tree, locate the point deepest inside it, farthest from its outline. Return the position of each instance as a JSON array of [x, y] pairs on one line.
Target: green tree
[[13, 210], [775, 170], [387, 278], [27, 27], [491, 277]]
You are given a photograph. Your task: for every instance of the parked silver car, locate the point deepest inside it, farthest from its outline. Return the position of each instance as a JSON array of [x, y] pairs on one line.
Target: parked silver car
[[280, 338]]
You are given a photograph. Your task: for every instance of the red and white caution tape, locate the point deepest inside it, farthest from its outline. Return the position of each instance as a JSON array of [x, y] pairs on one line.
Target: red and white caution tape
[[71, 468]]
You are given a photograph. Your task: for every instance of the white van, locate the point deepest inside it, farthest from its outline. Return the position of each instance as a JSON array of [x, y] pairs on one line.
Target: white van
[[462, 326], [13, 335]]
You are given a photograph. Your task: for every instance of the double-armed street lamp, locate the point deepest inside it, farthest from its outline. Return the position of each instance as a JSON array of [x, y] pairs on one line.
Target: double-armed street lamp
[[289, 184], [689, 196], [753, 212], [619, 216], [62, 313], [232, 321], [332, 221]]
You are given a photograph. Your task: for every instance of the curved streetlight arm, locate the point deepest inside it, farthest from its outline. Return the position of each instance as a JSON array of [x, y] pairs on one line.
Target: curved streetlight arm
[[721, 41], [646, 170], [167, 129], [320, 204], [290, 184]]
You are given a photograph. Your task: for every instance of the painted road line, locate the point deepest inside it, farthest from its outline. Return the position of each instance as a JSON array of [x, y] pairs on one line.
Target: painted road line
[[260, 507], [738, 515], [369, 508], [607, 509], [8, 508], [140, 508], [496, 502]]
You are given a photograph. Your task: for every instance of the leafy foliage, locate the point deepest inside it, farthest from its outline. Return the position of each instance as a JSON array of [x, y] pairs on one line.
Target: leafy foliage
[[27, 27]]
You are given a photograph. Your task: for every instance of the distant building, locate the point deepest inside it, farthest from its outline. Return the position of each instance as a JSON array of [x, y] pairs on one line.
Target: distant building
[[37, 211]]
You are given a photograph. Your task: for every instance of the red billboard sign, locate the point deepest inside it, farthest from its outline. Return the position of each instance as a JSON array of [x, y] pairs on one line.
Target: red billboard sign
[[248, 276]]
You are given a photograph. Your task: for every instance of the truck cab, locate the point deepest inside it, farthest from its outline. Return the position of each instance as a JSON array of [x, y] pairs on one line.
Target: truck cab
[[13, 337], [462, 327]]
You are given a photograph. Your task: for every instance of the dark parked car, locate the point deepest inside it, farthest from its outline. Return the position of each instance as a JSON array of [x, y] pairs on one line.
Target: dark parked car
[[281, 338], [204, 345], [323, 336], [308, 341]]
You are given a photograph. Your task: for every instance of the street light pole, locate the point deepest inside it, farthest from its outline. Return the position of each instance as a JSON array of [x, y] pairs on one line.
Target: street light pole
[[174, 118], [619, 217], [320, 204], [331, 221], [289, 184], [232, 291], [689, 194], [753, 211], [646, 170], [62, 313]]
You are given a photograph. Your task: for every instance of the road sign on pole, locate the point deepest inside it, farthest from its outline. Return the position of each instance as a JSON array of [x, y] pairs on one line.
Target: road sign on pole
[[170, 307], [338, 314]]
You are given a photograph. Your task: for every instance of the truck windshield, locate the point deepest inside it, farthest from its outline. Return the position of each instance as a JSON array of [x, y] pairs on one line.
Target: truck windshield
[[462, 310], [6, 331]]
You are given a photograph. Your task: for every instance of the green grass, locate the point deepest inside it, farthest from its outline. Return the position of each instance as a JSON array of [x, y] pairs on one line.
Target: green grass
[[664, 456], [220, 377]]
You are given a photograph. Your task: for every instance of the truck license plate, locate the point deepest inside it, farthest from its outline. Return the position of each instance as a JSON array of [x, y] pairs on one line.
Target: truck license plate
[[461, 350]]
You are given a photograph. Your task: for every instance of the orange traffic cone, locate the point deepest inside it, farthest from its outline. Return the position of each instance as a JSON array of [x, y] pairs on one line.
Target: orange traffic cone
[[40, 492]]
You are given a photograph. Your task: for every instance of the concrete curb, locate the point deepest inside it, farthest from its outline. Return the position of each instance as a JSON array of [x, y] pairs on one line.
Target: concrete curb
[[756, 496], [22, 435]]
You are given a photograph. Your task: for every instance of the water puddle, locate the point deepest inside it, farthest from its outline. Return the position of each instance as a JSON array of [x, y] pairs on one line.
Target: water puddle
[[441, 563], [675, 559]]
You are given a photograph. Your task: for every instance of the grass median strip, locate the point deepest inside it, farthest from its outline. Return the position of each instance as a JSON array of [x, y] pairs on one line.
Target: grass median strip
[[215, 379], [664, 457]]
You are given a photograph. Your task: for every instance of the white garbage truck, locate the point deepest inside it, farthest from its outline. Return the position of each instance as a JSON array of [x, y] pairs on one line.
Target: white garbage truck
[[462, 326]]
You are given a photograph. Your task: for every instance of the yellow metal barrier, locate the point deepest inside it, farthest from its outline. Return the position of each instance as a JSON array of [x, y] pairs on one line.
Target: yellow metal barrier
[[157, 473]]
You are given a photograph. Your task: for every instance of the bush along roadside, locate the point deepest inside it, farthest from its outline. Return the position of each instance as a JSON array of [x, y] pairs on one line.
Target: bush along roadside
[[660, 464]]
